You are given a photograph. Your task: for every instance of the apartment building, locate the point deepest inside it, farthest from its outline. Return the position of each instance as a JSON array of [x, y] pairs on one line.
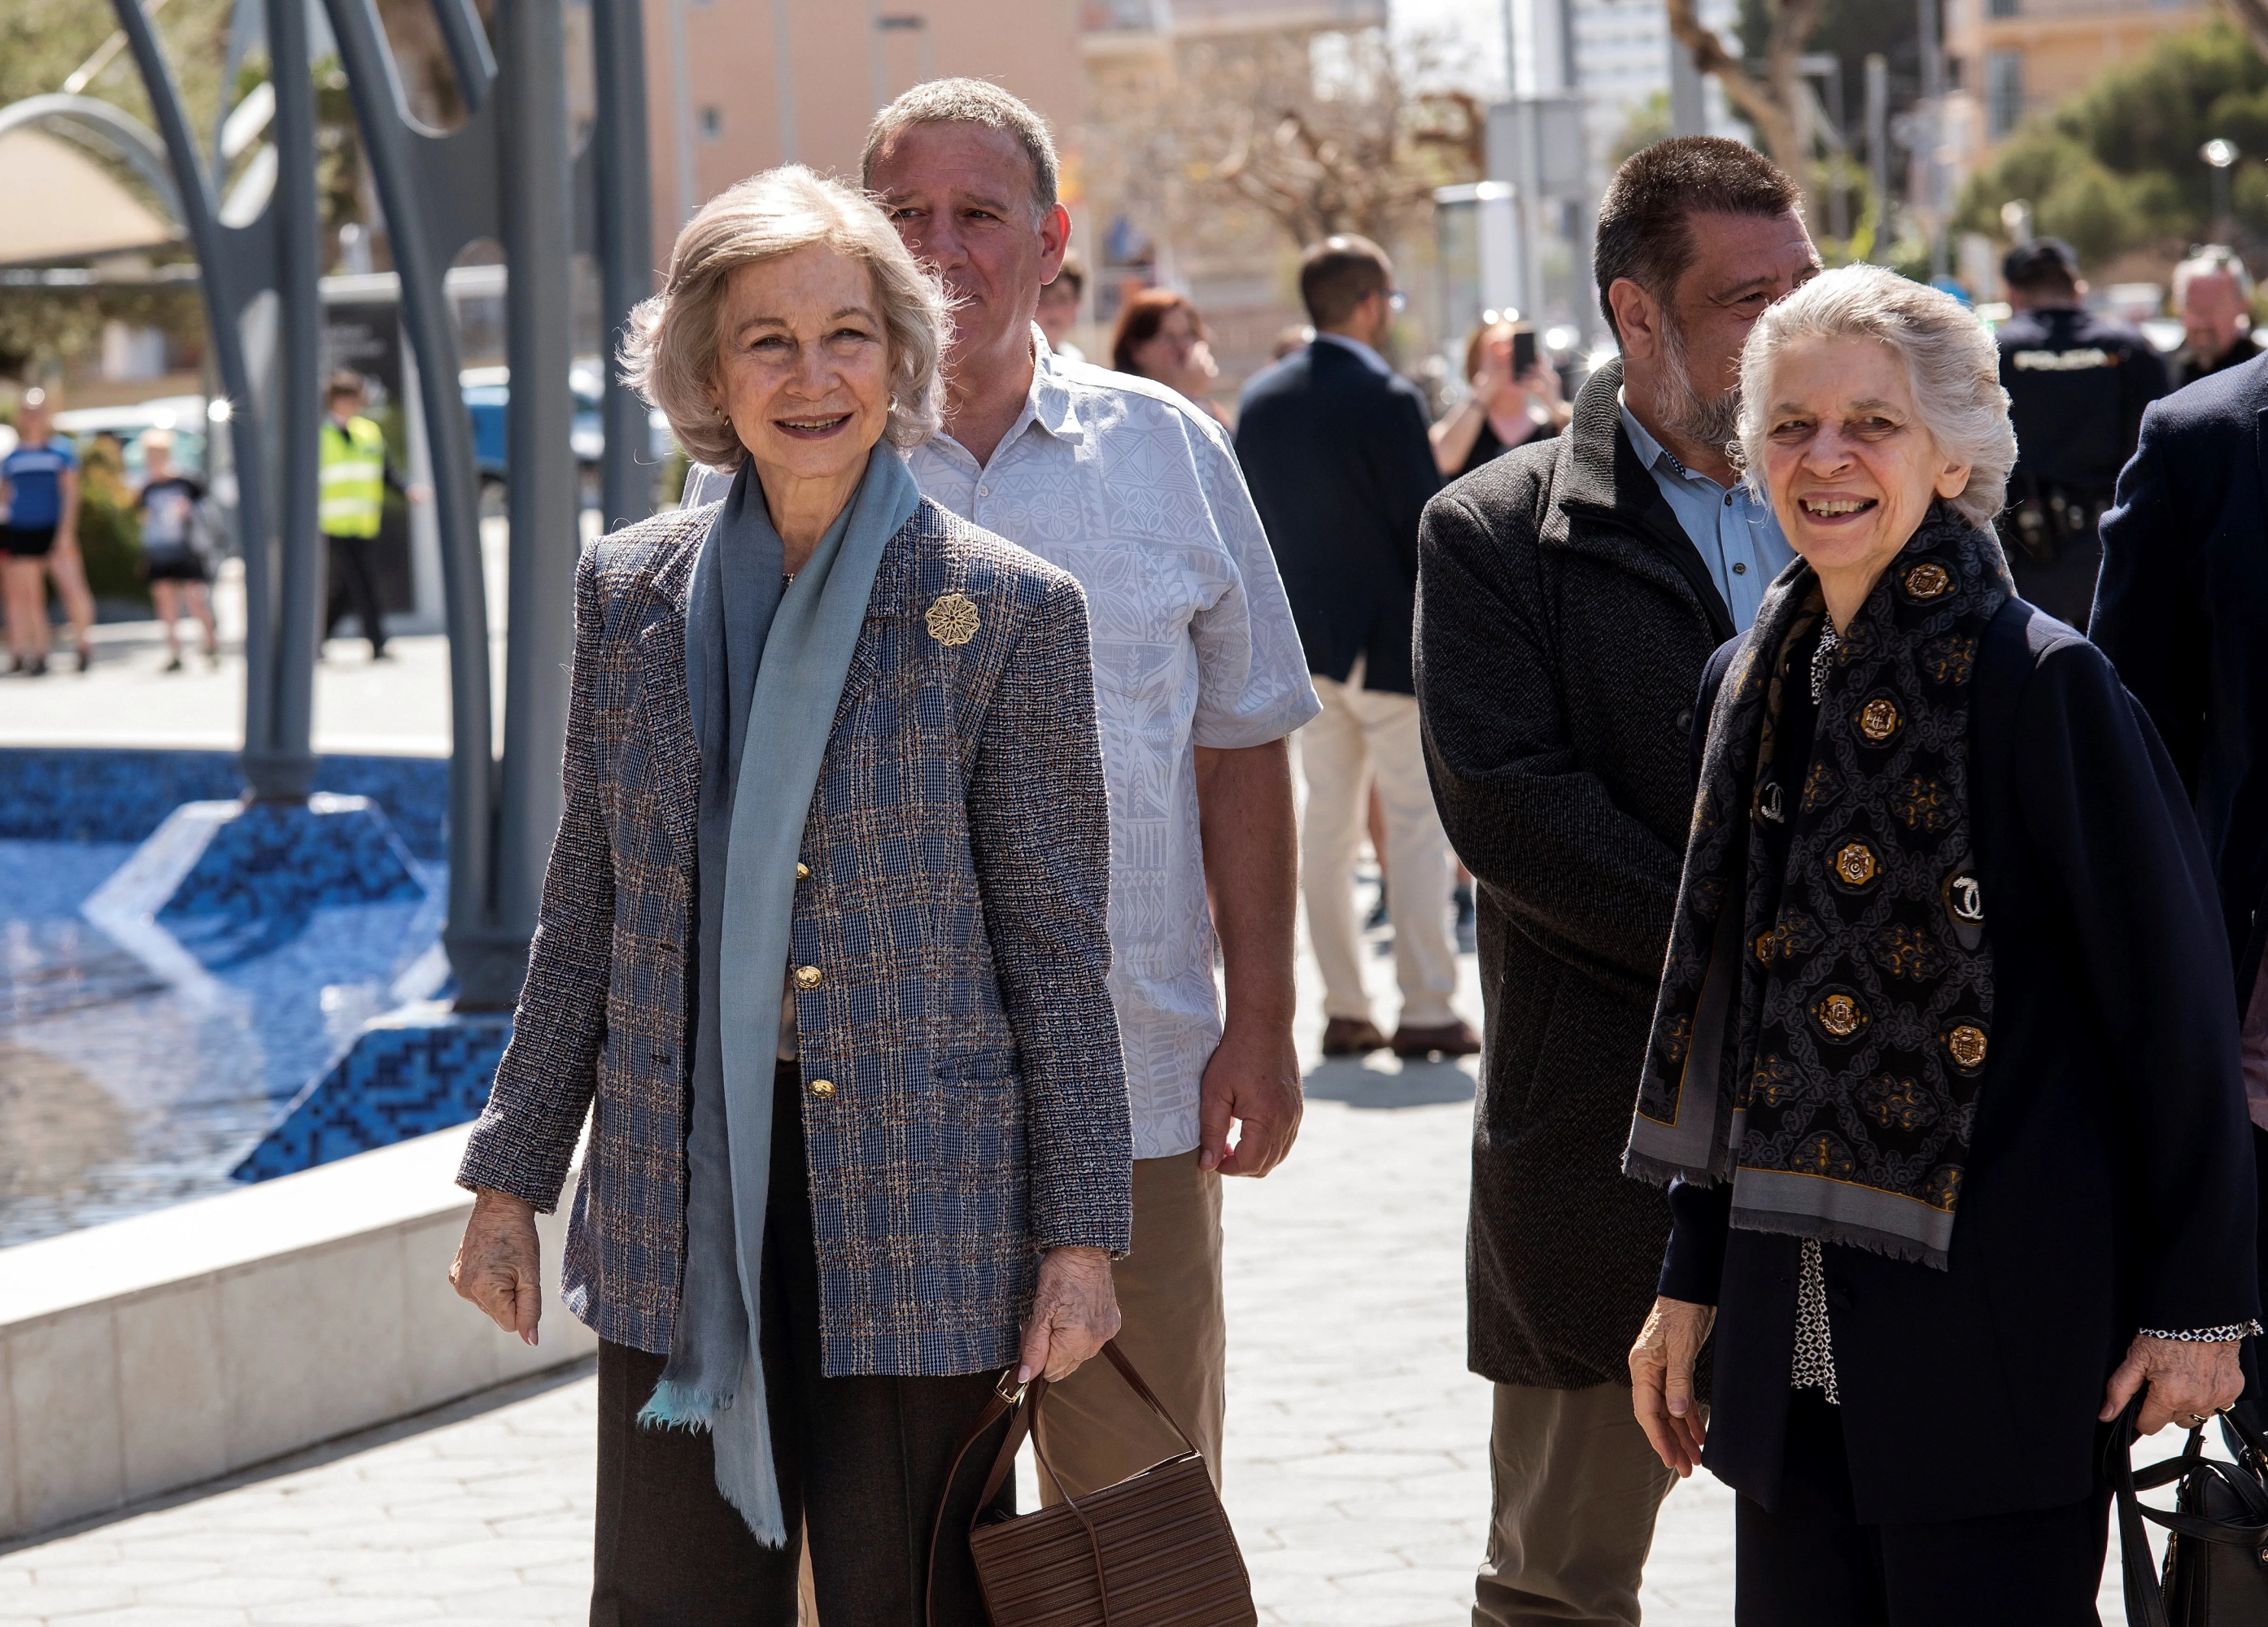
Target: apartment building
[[2009, 58], [1622, 55], [735, 86], [1166, 82]]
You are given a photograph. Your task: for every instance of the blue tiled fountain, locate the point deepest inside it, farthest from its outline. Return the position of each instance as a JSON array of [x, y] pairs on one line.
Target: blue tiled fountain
[[193, 989]]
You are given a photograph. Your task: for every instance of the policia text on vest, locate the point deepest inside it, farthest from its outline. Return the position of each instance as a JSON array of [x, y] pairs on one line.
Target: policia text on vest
[[2077, 384]]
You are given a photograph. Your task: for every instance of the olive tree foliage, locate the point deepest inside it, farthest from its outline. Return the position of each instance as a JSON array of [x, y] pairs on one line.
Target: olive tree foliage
[[2116, 168]]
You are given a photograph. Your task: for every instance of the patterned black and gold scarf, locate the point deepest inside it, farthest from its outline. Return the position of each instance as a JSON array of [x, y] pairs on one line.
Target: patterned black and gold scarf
[[1826, 1057]]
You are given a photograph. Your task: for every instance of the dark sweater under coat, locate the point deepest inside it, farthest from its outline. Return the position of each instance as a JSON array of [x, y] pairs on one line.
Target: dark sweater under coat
[[1335, 450], [1564, 619], [2110, 1183], [2183, 611]]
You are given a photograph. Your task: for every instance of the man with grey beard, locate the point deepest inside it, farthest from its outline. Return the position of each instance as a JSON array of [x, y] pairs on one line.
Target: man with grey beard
[[1569, 594]]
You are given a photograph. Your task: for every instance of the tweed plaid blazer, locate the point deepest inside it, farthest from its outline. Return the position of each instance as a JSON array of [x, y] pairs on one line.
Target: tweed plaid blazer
[[964, 1105]]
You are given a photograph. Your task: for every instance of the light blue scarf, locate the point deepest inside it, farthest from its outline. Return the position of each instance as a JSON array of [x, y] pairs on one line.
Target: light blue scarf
[[714, 1379]]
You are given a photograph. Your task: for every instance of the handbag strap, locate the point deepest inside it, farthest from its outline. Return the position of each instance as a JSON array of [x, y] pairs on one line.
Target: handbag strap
[[1020, 1405], [2146, 1604]]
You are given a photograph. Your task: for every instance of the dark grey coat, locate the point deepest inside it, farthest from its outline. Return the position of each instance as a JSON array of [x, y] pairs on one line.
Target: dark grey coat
[[1564, 620]]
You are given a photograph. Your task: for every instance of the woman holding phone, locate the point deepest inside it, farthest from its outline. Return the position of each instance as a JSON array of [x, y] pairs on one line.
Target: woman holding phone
[[1514, 399]]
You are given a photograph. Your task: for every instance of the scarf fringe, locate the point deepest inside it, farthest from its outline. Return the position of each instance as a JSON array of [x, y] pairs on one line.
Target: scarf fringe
[[759, 1508], [1659, 1172], [680, 1406]]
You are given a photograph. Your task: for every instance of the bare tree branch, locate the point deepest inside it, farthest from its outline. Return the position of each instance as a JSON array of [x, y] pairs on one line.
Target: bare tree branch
[[2252, 17], [1770, 101]]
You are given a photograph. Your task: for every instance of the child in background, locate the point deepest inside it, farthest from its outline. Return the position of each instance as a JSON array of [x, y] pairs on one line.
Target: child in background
[[172, 547]]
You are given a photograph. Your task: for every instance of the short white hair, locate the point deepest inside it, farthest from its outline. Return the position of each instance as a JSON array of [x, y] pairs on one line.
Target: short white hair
[[2214, 260], [670, 355], [1952, 367]]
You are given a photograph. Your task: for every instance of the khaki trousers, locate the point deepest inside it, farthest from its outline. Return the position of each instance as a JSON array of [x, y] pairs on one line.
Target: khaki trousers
[[1576, 1491], [1361, 738], [1097, 1431]]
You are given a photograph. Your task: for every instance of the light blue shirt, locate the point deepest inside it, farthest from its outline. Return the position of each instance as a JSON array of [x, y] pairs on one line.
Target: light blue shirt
[[1738, 538]]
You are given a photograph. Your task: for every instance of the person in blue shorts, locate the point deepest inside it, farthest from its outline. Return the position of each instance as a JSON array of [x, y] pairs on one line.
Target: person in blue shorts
[[40, 480]]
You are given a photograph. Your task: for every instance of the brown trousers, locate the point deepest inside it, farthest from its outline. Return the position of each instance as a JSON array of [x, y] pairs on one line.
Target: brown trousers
[[1175, 1331], [1576, 1490], [861, 1462]]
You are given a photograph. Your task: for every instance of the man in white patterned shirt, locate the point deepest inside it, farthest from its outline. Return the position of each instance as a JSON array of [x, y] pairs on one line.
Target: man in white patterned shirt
[[1199, 680]]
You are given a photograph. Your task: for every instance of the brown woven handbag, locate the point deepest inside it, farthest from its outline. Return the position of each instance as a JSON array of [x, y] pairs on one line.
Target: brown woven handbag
[[1152, 1550]]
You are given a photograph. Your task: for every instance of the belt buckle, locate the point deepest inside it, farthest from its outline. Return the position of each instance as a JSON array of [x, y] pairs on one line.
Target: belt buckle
[[1013, 1396]]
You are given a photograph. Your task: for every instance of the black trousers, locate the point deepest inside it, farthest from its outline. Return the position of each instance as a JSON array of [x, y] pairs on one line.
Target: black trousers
[[1811, 1563], [861, 1462], [351, 580]]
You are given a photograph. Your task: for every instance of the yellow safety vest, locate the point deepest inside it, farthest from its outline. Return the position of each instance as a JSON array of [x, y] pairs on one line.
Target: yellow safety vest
[[353, 478]]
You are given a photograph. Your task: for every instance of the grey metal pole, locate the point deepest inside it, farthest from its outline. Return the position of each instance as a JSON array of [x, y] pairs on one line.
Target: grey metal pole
[[625, 215], [438, 193], [1688, 105], [234, 265], [538, 220], [288, 761], [1932, 96], [681, 92], [1878, 146]]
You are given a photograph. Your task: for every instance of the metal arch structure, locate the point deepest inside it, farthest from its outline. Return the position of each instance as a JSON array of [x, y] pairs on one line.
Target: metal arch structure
[[104, 130], [507, 173], [621, 188], [276, 253]]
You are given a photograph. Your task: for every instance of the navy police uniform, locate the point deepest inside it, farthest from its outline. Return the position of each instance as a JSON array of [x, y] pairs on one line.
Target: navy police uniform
[[2077, 384]]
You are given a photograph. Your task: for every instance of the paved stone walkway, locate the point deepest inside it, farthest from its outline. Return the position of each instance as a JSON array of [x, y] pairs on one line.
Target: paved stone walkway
[[1358, 1445], [1357, 1474]]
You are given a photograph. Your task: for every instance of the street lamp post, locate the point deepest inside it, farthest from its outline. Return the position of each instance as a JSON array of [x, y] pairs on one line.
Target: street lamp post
[[2220, 155]]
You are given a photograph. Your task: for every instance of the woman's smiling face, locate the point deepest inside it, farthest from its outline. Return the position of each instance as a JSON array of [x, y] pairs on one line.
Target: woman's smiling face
[[804, 363], [1850, 464]]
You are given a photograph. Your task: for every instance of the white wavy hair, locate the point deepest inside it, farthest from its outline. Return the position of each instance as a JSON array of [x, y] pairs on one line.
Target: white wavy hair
[[670, 355], [1951, 364]]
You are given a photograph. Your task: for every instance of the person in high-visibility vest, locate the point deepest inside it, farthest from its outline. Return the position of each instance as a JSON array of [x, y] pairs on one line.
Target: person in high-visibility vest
[[354, 477]]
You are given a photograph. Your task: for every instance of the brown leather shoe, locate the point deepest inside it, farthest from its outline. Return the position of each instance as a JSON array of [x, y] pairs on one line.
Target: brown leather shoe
[[1450, 1039], [1351, 1036]]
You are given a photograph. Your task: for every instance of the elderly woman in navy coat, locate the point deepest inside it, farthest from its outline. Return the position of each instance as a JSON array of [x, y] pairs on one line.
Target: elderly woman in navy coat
[[1944, 1063]]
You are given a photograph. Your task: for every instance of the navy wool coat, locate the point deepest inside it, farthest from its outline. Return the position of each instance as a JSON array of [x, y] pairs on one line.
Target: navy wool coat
[[957, 852], [1335, 453], [2183, 609], [2109, 1185]]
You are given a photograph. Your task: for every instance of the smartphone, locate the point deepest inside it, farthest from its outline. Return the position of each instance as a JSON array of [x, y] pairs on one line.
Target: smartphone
[[1523, 353]]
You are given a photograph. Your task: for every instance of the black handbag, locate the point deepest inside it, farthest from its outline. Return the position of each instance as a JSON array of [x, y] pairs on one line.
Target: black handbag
[[2216, 1572]]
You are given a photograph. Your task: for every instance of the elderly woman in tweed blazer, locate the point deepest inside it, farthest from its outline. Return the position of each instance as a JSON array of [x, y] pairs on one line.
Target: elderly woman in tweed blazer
[[823, 943]]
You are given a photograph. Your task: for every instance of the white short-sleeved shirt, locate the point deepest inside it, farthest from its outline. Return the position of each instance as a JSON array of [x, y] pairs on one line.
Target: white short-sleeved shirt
[[1125, 485]]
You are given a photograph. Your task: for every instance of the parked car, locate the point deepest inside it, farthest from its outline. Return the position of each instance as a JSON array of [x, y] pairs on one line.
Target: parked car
[[488, 395], [183, 415]]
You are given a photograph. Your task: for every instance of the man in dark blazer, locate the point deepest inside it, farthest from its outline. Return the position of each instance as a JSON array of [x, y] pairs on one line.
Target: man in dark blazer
[[1570, 594], [1334, 447], [2182, 613]]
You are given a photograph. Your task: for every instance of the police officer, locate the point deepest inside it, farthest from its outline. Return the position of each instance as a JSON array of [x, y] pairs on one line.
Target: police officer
[[351, 506], [2077, 385]]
